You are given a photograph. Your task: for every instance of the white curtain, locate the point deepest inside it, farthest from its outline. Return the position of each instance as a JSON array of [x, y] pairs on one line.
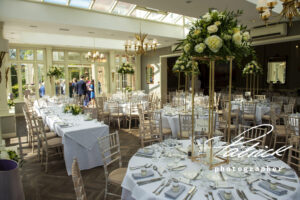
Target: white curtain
[[276, 72]]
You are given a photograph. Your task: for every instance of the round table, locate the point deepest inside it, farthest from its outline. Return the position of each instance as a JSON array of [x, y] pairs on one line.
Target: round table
[[206, 179]]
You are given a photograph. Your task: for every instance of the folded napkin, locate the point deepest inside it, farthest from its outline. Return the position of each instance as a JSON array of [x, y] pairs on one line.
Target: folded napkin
[[145, 151], [138, 175], [173, 195], [221, 194], [267, 186], [288, 173]]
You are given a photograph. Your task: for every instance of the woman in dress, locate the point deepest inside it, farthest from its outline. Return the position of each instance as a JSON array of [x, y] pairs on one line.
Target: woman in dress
[[92, 92]]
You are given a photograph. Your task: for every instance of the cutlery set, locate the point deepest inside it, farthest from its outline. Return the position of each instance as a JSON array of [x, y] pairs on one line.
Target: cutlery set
[[191, 193]]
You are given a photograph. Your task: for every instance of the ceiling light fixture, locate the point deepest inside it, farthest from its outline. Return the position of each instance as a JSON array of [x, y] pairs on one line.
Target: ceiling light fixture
[[95, 55], [140, 44], [290, 9]]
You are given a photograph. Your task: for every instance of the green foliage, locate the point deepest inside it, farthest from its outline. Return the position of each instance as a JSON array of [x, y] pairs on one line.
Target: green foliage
[[10, 103], [186, 65], [252, 68], [15, 90], [126, 69], [218, 34], [55, 72], [74, 109]]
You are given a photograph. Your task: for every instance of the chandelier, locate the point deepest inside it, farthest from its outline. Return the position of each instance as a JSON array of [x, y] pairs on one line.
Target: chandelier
[[95, 56], [290, 9], [141, 44]]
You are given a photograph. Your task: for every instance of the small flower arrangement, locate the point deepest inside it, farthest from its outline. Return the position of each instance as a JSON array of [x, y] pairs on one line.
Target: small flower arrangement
[[10, 103], [185, 64], [128, 89], [126, 69], [74, 109], [252, 68], [55, 72], [10, 153], [218, 34]]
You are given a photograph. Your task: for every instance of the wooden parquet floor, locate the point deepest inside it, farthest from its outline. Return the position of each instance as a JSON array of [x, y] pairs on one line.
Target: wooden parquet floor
[[57, 185]]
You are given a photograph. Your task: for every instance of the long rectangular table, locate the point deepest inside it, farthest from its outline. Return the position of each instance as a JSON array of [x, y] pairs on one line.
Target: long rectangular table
[[79, 139]]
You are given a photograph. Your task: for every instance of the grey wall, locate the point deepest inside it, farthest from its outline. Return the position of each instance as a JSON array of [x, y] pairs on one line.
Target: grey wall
[[151, 58]]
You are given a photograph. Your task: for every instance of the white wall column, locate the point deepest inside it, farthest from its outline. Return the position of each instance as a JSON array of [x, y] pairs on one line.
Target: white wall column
[[3, 96], [36, 80], [112, 73], [48, 83], [67, 80], [8, 88], [20, 85], [138, 71]]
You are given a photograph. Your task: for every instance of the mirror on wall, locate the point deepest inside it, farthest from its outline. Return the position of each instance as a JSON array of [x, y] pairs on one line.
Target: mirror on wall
[[276, 70], [150, 74]]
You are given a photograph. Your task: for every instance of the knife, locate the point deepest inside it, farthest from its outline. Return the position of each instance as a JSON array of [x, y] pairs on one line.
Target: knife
[[189, 193], [240, 194], [244, 195], [282, 185], [221, 174], [191, 196], [149, 181]]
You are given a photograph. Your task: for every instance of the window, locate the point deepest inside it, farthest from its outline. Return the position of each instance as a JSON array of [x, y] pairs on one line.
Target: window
[[156, 16], [13, 54], [39, 54], [122, 8], [80, 3], [14, 80], [58, 56], [140, 13], [26, 54], [171, 18], [62, 2], [103, 5], [73, 55], [276, 72]]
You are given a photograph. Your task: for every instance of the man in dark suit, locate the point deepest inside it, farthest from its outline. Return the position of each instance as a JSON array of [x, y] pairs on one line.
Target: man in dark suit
[[81, 89]]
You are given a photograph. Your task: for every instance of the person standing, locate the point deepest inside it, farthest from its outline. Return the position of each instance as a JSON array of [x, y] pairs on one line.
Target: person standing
[[92, 92], [81, 89], [88, 92], [74, 90]]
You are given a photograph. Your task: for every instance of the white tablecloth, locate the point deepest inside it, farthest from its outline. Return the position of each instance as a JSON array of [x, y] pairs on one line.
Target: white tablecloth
[[131, 191], [79, 140], [124, 107]]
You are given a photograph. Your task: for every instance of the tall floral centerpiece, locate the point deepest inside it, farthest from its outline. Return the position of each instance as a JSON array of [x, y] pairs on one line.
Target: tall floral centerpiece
[[126, 68], [252, 71], [216, 36], [54, 73], [184, 64]]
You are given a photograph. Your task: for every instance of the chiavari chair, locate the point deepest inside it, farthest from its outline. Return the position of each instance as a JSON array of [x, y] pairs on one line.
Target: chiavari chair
[[110, 152], [254, 133], [77, 181], [248, 113], [294, 152]]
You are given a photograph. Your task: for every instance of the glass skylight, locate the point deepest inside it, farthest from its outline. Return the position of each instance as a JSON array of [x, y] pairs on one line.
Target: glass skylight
[[61, 2], [140, 13], [156, 16], [180, 21], [103, 5], [80, 3], [171, 18], [122, 8]]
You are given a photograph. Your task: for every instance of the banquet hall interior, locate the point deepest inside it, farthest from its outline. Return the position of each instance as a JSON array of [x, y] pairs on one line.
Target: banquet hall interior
[[149, 99]]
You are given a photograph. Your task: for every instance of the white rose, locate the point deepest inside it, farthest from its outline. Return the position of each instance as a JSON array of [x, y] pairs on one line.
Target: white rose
[[212, 29], [237, 38], [182, 67], [199, 48], [214, 11], [214, 43], [217, 23], [4, 155], [187, 48], [206, 17], [246, 36], [236, 29]]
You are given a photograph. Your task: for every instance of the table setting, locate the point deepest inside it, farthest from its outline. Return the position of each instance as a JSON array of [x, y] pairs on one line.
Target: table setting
[[164, 171], [170, 117], [79, 134]]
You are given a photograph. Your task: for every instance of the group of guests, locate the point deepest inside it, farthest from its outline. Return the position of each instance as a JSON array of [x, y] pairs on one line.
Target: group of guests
[[85, 89]]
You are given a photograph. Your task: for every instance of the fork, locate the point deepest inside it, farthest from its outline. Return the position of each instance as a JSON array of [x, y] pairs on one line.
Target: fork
[[163, 187], [162, 183]]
